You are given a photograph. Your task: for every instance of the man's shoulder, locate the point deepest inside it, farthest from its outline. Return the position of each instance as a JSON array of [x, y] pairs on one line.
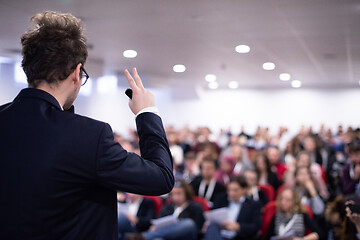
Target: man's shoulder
[[2, 107], [83, 121]]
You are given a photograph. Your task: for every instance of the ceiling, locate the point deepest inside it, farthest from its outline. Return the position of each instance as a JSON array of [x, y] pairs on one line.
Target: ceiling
[[316, 41]]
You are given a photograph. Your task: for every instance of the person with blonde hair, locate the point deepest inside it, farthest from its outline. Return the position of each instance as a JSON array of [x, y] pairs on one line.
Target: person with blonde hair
[[291, 218]]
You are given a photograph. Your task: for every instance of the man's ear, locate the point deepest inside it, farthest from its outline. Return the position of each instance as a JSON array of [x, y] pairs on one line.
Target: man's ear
[[77, 76]]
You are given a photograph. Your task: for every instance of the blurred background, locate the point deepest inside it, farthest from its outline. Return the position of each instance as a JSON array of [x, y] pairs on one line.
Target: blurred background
[[219, 64]]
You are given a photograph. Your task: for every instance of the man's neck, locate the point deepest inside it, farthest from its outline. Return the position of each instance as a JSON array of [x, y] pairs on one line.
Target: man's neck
[[52, 92]]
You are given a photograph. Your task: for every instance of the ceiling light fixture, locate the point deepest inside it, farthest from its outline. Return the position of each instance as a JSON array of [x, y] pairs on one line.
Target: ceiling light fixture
[[242, 49], [213, 85], [210, 78], [296, 84], [269, 66], [233, 84], [179, 68], [130, 53], [285, 77]]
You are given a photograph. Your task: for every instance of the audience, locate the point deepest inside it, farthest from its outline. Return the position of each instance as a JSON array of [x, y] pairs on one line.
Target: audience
[[244, 215], [317, 173], [263, 168], [225, 171], [305, 186], [254, 192], [291, 218], [279, 168], [192, 168], [205, 185], [323, 166], [139, 213], [190, 216], [241, 164], [351, 173]]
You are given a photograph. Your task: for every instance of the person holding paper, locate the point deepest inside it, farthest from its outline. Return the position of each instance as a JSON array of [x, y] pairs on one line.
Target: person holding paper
[[244, 216], [183, 218], [291, 219], [138, 214]]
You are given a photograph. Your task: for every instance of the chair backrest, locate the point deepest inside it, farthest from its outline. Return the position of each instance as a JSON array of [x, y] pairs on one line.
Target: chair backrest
[[268, 190], [204, 204], [158, 204], [323, 175], [269, 213]]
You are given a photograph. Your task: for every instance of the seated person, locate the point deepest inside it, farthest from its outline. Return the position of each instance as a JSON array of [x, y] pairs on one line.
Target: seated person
[[190, 215], [307, 190], [205, 185], [291, 218], [225, 171], [192, 168], [244, 214], [139, 212], [242, 164], [254, 192], [303, 160], [263, 168], [351, 172], [279, 168]]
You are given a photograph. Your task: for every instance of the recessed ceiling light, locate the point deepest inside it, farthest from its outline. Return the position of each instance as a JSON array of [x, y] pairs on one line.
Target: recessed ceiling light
[[242, 49], [296, 83], [285, 77], [269, 66], [179, 68], [210, 78], [130, 53], [233, 84], [213, 85]]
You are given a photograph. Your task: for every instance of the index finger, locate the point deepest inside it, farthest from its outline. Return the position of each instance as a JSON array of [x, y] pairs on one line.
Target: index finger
[[130, 79], [137, 78]]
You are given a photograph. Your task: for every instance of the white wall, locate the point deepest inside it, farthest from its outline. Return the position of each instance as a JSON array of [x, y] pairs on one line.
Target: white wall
[[273, 108], [221, 108]]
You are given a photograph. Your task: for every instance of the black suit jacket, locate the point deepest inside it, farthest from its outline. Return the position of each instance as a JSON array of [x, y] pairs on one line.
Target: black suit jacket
[[60, 171], [249, 216]]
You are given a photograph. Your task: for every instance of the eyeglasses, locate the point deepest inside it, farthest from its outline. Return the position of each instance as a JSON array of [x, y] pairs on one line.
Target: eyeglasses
[[84, 76]]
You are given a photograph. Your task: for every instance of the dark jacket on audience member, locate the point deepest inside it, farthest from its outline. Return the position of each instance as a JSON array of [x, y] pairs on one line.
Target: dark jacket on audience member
[[249, 217], [193, 211], [145, 214], [273, 180], [60, 171], [219, 188], [348, 184], [309, 224]]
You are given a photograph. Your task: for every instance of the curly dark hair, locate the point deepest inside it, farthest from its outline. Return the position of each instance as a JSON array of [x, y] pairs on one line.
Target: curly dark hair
[[53, 47]]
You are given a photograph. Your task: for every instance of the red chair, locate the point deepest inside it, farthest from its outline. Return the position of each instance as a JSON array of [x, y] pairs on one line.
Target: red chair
[[268, 190], [204, 204], [158, 204], [269, 213], [323, 175]]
